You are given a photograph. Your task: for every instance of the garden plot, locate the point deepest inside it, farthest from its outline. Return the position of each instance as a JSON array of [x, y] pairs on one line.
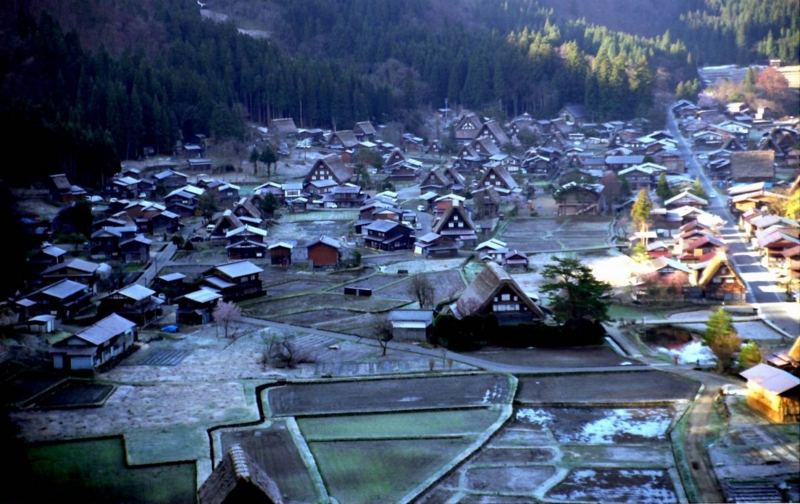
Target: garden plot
[[515, 480], [421, 266], [619, 387], [389, 395], [94, 470], [417, 424], [274, 450], [616, 485], [575, 357], [272, 309], [601, 425], [74, 394], [373, 471], [446, 284], [375, 282], [555, 234], [295, 287]]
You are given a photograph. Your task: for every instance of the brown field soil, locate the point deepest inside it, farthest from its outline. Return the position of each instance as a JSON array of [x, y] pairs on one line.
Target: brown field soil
[[589, 356], [296, 287], [602, 425], [310, 318], [609, 387], [446, 284], [510, 456], [517, 479], [388, 395], [616, 485], [545, 234], [282, 307], [276, 453], [380, 471], [375, 282], [75, 394]]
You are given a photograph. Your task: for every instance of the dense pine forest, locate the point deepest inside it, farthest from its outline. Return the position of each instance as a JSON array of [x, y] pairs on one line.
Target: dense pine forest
[[96, 81]]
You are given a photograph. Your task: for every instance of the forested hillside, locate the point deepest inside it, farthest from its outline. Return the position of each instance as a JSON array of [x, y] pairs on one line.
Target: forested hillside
[[137, 73]]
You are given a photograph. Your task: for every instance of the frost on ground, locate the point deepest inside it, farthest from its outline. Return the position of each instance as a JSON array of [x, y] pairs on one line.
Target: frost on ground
[[534, 416], [600, 425], [694, 352], [616, 485]]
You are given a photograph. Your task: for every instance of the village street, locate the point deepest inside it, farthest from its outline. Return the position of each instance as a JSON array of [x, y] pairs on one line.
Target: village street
[[762, 290]]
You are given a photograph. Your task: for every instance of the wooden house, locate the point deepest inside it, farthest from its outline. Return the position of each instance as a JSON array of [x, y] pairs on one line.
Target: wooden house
[[791, 263], [61, 191], [405, 172], [238, 479], [225, 222], [717, 280], [467, 128], [77, 270], [46, 257], [329, 168], [773, 392], [344, 196], [280, 254], [344, 139], [486, 202], [134, 302], [284, 127], [364, 131], [457, 226], [753, 166], [411, 325], [494, 132], [516, 261], [96, 345], [574, 114], [387, 235], [171, 285], [64, 299], [197, 307], [235, 280], [580, 199], [324, 252], [246, 242], [169, 180], [105, 242], [498, 178], [435, 245], [774, 240], [135, 250], [495, 291], [685, 198]]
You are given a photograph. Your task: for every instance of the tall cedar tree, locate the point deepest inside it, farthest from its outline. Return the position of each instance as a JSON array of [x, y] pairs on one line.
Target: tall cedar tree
[[662, 189], [640, 211], [573, 291]]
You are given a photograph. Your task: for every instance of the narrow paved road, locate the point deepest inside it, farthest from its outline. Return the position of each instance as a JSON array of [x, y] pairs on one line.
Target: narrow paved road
[[762, 290]]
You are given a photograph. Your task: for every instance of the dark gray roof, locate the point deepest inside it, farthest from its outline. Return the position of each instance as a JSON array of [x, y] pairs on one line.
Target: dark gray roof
[[105, 329]]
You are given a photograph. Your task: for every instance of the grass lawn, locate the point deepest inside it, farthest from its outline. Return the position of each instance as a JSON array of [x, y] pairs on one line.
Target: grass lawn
[[417, 424], [95, 471], [381, 471]]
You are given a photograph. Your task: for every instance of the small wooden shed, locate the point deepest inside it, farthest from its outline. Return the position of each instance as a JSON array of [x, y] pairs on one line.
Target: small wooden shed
[[281, 254], [773, 392]]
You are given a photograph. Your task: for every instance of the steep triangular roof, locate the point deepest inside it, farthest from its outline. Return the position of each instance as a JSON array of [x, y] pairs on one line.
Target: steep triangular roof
[[482, 290], [239, 475]]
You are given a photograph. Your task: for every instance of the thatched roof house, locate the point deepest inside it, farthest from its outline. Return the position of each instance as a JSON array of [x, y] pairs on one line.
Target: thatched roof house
[[753, 166], [495, 291], [238, 479]]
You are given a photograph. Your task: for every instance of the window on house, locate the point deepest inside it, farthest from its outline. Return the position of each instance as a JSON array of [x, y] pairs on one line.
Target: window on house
[[506, 297]]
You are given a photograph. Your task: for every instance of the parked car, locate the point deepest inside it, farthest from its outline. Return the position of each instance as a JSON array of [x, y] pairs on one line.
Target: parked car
[[420, 208], [210, 228]]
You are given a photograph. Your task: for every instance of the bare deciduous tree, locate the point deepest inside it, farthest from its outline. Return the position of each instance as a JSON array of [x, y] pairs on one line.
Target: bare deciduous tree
[[383, 332], [421, 288], [225, 313], [282, 352]]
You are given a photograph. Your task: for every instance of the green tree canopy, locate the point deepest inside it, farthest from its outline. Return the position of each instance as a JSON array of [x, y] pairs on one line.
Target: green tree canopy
[[573, 291], [663, 189], [640, 211]]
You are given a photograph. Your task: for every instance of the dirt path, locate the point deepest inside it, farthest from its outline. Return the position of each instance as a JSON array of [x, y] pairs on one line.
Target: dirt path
[[695, 444]]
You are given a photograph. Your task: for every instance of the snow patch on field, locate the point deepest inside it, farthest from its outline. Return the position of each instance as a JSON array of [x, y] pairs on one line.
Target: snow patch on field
[[623, 421], [534, 416], [627, 485], [691, 353]]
